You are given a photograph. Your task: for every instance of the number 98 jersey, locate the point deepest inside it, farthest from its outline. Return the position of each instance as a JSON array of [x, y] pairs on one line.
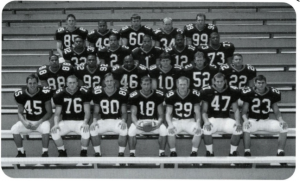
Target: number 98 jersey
[[260, 105]]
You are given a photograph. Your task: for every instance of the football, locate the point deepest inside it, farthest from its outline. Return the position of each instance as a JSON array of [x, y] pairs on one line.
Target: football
[[147, 126]]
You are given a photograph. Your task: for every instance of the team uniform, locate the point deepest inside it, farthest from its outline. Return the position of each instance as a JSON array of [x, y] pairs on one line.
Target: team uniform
[[199, 37], [77, 58], [166, 81], [218, 56], [200, 78], [183, 110], [135, 37], [238, 78], [183, 57], [113, 57], [101, 39], [57, 79], [146, 58], [67, 37], [89, 78], [34, 106], [130, 78], [166, 39]]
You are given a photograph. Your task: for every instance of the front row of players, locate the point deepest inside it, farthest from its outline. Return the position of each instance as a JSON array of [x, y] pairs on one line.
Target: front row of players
[[72, 113]]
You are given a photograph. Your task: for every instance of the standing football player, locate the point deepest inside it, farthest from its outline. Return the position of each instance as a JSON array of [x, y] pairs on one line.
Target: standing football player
[[147, 111], [72, 113], [183, 114], [36, 101]]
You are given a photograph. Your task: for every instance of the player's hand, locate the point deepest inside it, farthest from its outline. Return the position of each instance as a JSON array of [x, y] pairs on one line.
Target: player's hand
[[54, 129], [283, 124], [93, 126], [35, 126], [85, 127], [238, 127], [27, 124], [207, 126], [171, 129], [247, 125], [197, 130], [122, 124]]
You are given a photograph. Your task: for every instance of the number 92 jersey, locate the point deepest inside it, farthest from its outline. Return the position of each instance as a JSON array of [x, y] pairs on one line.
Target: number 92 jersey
[[183, 107], [110, 105], [260, 105], [34, 105], [72, 104], [67, 37]]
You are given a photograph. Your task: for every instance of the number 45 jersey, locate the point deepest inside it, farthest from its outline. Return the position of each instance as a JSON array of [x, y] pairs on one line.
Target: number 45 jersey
[[260, 104]]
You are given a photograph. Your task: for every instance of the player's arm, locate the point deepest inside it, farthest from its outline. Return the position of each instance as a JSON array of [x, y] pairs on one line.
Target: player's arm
[[160, 112], [245, 109], [134, 119], [207, 125], [198, 118], [278, 116], [87, 115], [22, 118], [124, 116], [95, 117], [59, 48], [58, 109], [237, 116], [47, 116], [169, 119]]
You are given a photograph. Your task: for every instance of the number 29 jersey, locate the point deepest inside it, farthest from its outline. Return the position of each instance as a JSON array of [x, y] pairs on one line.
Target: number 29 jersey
[[260, 104]]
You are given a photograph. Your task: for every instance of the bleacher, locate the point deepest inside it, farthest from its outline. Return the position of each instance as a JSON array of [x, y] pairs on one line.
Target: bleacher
[[265, 33]]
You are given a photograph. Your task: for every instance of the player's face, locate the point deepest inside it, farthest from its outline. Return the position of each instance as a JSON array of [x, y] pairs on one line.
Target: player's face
[[199, 61], [54, 62], [237, 60], [71, 22], [260, 85], [182, 85], [168, 25], [32, 85], [215, 38], [136, 23], [102, 27], [165, 62], [109, 82], [78, 42], [147, 42], [72, 83], [179, 41], [219, 82], [146, 86], [200, 21], [113, 41], [91, 61], [128, 63]]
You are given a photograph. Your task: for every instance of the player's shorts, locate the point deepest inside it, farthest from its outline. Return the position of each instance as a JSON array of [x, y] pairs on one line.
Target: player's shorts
[[226, 125], [184, 125], [162, 130], [44, 128], [269, 125], [109, 125], [70, 126]]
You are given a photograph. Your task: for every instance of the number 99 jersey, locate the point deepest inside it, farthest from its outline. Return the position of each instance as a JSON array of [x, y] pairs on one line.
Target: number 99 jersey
[[67, 37], [260, 104], [199, 37]]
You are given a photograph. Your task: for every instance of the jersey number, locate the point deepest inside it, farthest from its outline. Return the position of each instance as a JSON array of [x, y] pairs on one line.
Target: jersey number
[[212, 56], [109, 106], [76, 105], [257, 104], [186, 108], [34, 108], [135, 38], [216, 102], [131, 82], [147, 108], [166, 83], [197, 79], [234, 79]]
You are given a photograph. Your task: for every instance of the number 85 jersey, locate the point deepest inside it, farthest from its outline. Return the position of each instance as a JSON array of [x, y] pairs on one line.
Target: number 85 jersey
[[260, 104]]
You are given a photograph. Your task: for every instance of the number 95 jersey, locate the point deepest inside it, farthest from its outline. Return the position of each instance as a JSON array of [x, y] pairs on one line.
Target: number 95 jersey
[[260, 104]]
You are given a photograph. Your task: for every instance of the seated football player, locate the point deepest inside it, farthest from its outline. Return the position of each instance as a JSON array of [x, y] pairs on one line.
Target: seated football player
[[72, 113], [183, 114], [36, 101], [147, 115], [258, 102], [216, 102], [111, 103]]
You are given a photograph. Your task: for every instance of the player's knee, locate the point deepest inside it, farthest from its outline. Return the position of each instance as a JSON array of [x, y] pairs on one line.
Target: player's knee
[[85, 135], [132, 130], [207, 132], [235, 132], [55, 136], [94, 132], [15, 128], [45, 127], [163, 130]]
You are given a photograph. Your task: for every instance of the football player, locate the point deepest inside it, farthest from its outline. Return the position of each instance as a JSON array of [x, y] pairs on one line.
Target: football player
[[199, 71], [111, 103], [198, 33], [129, 75], [55, 74], [216, 102], [100, 37], [72, 113], [78, 54], [147, 109], [147, 54], [114, 54], [181, 54], [65, 35], [258, 102], [165, 37], [132, 36], [36, 101], [218, 52], [183, 114]]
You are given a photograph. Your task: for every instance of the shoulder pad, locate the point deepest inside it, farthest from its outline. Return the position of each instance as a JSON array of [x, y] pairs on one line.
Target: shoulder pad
[[133, 94], [123, 91], [276, 91], [170, 93], [177, 67], [82, 29], [159, 92], [188, 67], [18, 93], [59, 90], [60, 30], [42, 67], [152, 67], [246, 90], [147, 27], [158, 48], [66, 64], [211, 26], [124, 28], [179, 30], [46, 90], [224, 67], [234, 87], [114, 31], [67, 50], [250, 67], [191, 47], [204, 47], [97, 90], [143, 67], [206, 87], [92, 32], [126, 47], [196, 92], [135, 49], [90, 49], [102, 49]]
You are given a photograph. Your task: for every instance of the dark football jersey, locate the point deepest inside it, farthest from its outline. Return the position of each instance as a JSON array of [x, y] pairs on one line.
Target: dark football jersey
[[183, 57], [135, 37], [72, 104], [110, 105], [89, 78], [146, 105], [219, 103], [113, 57], [57, 79], [238, 78], [77, 58], [200, 78], [183, 107], [260, 105], [218, 56], [101, 39], [166, 81], [34, 105], [199, 37], [166, 39], [146, 58], [130, 78], [67, 37]]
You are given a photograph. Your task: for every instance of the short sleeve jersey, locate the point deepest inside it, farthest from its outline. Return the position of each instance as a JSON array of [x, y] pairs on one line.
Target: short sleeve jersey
[[183, 107], [67, 37], [260, 105], [199, 37], [72, 104], [110, 105], [183, 57], [77, 58], [147, 106], [34, 105], [146, 58], [113, 57], [166, 39], [219, 103], [101, 39]]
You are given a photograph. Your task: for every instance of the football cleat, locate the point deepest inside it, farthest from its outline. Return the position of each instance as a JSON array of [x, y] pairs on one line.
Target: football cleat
[[20, 154], [282, 154], [97, 154], [194, 153], [247, 153], [45, 154], [83, 153], [209, 154], [131, 155], [121, 154], [162, 154], [173, 154], [62, 153]]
